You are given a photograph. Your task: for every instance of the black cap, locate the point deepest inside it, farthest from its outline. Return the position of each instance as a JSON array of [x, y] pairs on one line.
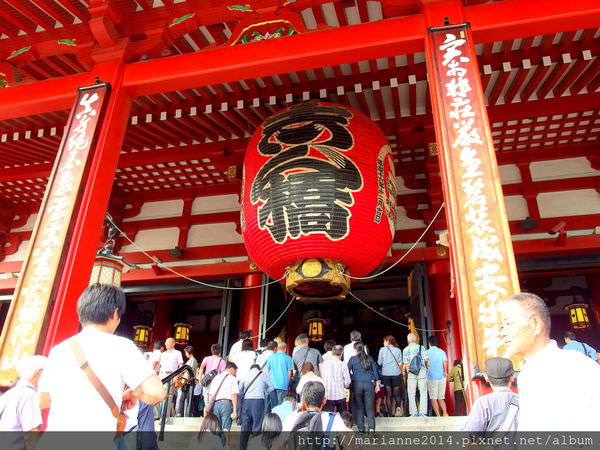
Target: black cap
[[499, 368]]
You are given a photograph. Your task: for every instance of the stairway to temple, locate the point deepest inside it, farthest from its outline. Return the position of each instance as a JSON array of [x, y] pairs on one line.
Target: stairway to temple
[[192, 424], [185, 428]]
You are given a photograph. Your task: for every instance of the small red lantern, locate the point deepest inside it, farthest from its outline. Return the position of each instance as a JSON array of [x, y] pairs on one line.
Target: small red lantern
[[318, 198]]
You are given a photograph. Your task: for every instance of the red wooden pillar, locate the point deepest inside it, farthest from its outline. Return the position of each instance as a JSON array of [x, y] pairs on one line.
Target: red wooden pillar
[[90, 217], [163, 325], [443, 309], [481, 251], [250, 311]]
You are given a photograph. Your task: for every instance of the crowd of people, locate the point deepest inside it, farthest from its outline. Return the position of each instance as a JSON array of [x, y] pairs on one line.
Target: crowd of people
[[251, 383], [112, 385]]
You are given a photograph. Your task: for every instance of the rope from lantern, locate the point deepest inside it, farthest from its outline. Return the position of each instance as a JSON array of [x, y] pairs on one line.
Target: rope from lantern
[[162, 265], [392, 320], [276, 320], [368, 277]]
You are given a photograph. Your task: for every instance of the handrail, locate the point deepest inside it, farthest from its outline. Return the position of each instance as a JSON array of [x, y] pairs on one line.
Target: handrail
[[165, 404], [177, 372]]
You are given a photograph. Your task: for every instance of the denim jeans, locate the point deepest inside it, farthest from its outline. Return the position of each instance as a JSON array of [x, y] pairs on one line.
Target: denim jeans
[[223, 410], [182, 400], [253, 411], [364, 403], [413, 381], [277, 397]]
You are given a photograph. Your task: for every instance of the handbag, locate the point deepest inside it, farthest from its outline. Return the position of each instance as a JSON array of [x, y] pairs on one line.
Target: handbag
[[208, 377], [115, 410]]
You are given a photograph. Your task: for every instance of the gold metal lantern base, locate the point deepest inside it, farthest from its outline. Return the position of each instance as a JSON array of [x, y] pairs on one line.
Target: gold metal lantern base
[[318, 279]]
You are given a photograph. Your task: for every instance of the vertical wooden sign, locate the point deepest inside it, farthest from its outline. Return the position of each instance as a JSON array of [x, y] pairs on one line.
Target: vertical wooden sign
[[39, 275], [480, 242]]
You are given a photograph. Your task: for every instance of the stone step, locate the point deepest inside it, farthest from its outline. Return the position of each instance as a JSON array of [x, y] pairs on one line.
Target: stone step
[[381, 424]]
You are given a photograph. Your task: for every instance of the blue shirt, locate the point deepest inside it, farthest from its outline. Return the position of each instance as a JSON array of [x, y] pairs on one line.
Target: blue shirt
[[261, 386], [278, 366], [357, 373], [389, 358], [582, 348], [436, 356], [284, 410]]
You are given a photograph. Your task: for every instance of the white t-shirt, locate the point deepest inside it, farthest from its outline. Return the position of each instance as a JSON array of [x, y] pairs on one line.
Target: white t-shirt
[[349, 351], [132, 416], [235, 348], [170, 361], [559, 390], [155, 357], [243, 361], [338, 423], [75, 404], [305, 379]]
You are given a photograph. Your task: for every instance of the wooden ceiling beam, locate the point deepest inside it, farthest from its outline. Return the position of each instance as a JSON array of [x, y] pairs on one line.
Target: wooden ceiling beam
[[32, 12]]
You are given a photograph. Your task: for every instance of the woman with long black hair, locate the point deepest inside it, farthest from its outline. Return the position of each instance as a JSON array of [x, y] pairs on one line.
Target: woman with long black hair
[[208, 437], [365, 382]]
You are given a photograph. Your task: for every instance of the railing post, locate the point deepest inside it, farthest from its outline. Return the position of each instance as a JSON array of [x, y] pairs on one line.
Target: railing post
[[163, 414], [190, 400]]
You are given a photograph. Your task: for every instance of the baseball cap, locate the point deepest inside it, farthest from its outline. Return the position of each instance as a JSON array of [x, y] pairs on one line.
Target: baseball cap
[[499, 368]]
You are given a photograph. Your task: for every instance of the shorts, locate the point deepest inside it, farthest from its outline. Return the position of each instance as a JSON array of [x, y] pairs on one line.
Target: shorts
[[437, 389], [391, 380]]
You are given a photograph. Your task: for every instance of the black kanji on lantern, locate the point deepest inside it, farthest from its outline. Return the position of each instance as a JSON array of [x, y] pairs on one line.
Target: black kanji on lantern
[[306, 187]]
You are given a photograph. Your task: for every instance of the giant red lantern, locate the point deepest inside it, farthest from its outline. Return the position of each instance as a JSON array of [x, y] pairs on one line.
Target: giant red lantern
[[318, 198]]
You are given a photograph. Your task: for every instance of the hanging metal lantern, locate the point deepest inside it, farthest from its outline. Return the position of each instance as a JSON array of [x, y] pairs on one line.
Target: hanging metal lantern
[[142, 336], [578, 316], [318, 198], [108, 268], [316, 329], [182, 333]]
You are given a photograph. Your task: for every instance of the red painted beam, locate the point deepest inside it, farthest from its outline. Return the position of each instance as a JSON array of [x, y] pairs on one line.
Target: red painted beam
[[314, 49], [45, 96], [202, 272], [514, 19], [179, 222]]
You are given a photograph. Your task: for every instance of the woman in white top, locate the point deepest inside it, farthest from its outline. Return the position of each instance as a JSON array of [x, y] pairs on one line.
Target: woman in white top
[[308, 374], [244, 359]]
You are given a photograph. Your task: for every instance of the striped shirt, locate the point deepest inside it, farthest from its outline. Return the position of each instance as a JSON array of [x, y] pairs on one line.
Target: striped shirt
[[336, 378]]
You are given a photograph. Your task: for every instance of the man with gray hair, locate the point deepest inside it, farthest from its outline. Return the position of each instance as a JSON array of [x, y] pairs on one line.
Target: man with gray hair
[[349, 351], [417, 376], [19, 410], [558, 389]]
